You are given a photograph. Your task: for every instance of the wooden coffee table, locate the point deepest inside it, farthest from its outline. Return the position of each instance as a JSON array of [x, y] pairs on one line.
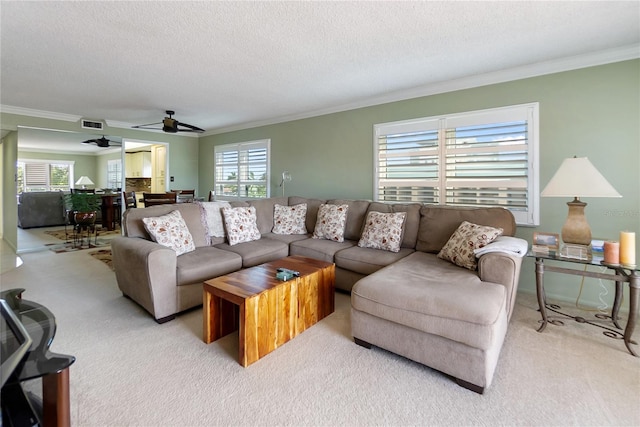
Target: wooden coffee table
[[266, 311]]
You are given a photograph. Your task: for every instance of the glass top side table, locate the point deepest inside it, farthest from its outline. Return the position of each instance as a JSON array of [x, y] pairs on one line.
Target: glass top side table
[[621, 274]]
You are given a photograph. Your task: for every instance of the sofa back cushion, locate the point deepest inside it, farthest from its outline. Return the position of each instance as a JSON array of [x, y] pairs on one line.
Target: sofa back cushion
[[312, 210], [438, 223], [356, 215], [264, 211], [191, 214]]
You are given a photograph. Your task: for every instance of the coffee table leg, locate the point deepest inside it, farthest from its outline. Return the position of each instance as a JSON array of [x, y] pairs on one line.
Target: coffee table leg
[[210, 317], [248, 331]]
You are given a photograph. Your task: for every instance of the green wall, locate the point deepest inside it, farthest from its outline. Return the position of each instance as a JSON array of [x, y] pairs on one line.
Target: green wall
[[592, 112]]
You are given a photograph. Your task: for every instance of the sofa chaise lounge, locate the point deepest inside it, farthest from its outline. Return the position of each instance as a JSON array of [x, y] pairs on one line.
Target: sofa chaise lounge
[[409, 301]]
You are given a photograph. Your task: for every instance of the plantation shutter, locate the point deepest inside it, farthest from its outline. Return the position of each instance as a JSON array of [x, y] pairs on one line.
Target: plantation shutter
[[482, 158], [408, 162], [242, 170]]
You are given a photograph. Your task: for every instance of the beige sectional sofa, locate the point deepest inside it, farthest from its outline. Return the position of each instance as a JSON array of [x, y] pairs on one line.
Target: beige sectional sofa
[[409, 302]]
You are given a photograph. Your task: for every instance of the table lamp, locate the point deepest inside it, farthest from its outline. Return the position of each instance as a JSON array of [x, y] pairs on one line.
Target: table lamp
[[84, 181], [577, 178]]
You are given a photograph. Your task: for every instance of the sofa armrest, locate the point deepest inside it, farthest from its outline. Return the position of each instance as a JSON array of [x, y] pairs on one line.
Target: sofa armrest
[[502, 268], [146, 272]]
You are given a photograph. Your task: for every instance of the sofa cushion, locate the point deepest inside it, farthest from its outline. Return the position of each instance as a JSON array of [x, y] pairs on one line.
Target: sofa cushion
[[356, 217], [197, 266], [437, 223], [171, 231], [464, 241], [367, 260], [383, 231], [290, 219], [191, 214], [240, 224], [312, 209], [319, 249], [286, 238], [212, 215], [331, 222], [258, 251], [426, 293]]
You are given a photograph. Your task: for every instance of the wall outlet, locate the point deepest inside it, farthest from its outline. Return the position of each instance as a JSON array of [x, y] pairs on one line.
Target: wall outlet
[[171, 179]]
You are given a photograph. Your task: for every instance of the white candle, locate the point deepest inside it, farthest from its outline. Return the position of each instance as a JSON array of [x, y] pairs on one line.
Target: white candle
[[628, 248]]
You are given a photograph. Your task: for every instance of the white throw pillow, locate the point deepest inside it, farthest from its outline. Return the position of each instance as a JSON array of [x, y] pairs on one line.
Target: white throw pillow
[[289, 219], [213, 217], [331, 222], [241, 224], [465, 240], [171, 231], [383, 231]]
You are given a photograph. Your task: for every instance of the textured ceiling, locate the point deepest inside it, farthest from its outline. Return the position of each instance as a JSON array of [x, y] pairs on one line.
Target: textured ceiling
[[227, 65]]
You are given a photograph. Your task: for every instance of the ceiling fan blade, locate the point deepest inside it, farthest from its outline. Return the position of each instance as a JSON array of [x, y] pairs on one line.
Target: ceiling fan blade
[[90, 141], [148, 124], [190, 128]]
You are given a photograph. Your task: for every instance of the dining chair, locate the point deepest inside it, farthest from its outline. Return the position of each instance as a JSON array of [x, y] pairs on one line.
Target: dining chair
[[130, 199], [151, 199]]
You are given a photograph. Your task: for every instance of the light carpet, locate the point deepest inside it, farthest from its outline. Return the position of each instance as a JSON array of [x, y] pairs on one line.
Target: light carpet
[[132, 371]]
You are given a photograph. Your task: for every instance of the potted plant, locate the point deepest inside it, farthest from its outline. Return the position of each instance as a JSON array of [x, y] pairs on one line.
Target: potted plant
[[81, 208]]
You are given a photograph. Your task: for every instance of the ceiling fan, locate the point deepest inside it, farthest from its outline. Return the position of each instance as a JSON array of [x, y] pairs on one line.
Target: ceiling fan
[[103, 142], [171, 125]]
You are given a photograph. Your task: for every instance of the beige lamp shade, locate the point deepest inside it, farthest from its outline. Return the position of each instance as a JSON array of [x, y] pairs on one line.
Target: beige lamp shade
[[84, 181], [576, 178]]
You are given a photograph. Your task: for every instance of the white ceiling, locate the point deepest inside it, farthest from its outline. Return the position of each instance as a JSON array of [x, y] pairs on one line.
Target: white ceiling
[[229, 65]]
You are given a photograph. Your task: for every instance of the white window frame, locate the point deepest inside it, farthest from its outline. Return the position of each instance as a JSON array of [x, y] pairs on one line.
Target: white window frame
[[435, 153], [47, 163], [241, 166]]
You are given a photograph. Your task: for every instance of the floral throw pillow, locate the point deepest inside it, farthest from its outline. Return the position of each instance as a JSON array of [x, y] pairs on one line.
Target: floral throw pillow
[[171, 231], [383, 231], [468, 237], [241, 224], [331, 222], [289, 219]]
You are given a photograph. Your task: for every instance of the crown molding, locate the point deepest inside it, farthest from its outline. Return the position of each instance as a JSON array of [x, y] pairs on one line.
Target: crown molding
[[624, 53], [10, 109]]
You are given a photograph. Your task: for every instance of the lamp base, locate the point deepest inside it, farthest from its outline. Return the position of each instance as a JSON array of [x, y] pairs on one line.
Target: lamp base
[[576, 229]]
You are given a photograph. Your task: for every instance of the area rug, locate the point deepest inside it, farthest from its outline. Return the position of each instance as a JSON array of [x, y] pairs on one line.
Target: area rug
[[103, 255], [61, 248], [62, 235]]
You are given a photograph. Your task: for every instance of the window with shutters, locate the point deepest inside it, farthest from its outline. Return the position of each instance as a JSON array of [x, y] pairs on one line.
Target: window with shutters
[[480, 158], [44, 175], [114, 173], [241, 171]]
